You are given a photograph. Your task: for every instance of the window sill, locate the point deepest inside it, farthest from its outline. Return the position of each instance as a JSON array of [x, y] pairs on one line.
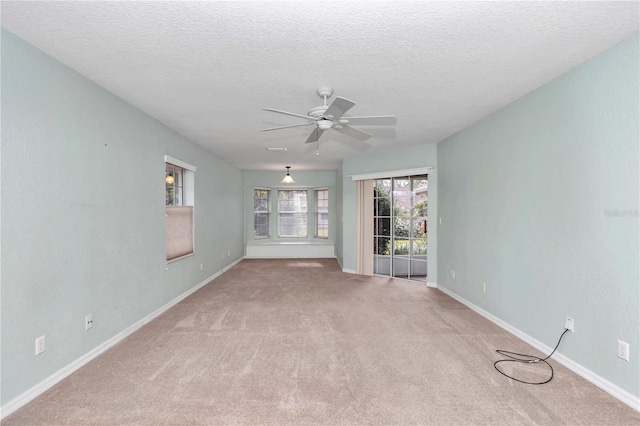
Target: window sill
[[175, 259], [272, 242]]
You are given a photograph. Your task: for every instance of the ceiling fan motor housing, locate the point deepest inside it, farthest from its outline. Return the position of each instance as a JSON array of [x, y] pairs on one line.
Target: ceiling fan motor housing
[[317, 112]]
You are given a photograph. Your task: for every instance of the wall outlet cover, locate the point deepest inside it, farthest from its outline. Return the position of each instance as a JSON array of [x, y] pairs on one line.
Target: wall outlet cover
[[568, 324], [623, 350], [40, 345]]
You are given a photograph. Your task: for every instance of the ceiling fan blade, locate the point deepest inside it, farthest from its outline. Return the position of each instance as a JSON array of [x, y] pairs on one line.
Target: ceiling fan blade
[[287, 127], [354, 133], [338, 107], [380, 120], [315, 135], [306, 117]]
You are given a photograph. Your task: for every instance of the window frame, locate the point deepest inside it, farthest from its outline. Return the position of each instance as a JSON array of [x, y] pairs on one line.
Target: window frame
[[316, 200], [177, 186], [296, 211], [187, 199], [267, 212]]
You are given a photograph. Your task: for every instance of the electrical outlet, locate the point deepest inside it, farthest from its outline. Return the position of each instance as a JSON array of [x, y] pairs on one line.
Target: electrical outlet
[[453, 274], [228, 253], [39, 345], [201, 266], [623, 350], [484, 287], [88, 322], [568, 324], [440, 220]]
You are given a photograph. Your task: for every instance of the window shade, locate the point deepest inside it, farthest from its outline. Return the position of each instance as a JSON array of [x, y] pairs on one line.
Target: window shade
[[179, 231]]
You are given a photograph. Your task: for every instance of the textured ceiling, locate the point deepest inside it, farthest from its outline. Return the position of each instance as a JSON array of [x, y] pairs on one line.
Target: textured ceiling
[[206, 69]]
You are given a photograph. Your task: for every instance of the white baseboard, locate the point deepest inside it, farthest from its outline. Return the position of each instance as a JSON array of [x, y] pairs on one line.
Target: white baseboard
[[432, 285], [67, 370], [612, 389], [349, 271]]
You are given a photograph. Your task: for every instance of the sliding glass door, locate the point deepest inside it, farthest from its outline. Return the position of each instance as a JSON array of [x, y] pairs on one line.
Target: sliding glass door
[[400, 227]]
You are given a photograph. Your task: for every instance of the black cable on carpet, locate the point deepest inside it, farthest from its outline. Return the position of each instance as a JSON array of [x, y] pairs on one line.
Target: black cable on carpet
[[527, 359]]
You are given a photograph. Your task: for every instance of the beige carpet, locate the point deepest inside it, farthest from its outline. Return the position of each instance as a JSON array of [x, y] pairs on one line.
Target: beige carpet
[[297, 342]]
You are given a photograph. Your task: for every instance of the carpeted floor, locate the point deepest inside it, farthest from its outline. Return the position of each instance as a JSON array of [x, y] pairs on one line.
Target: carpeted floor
[[297, 342]]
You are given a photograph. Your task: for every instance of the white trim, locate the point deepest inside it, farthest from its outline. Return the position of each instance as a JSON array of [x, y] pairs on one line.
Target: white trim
[[611, 388], [189, 188], [72, 367], [179, 163], [432, 285], [348, 271], [392, 173], [290, 250], [178, 258]]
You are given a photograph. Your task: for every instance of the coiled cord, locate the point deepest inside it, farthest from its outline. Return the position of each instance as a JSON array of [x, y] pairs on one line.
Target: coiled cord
[[527, 359]]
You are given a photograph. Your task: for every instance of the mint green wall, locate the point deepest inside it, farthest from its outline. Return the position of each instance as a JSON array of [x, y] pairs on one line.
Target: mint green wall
[[400, 159], [83, 215], [304, 180], [526, 198]]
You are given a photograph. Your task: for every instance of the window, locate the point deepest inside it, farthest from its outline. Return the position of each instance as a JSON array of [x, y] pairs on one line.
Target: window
[[173, 179], [261, 213], [179, 202], [292, 213], [322, 213]]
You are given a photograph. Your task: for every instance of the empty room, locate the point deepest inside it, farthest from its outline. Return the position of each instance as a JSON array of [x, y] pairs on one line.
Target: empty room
[[323, 213]]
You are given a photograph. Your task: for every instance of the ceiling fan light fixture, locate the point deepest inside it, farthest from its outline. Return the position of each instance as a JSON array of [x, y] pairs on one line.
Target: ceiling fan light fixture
[[325, 124], [287, 179]]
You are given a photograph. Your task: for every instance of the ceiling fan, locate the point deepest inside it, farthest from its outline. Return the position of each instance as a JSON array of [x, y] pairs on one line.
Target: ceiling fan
[[326, 117]]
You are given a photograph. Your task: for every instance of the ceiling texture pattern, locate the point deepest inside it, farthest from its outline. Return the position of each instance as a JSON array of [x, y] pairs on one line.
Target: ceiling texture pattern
[[206, 69]]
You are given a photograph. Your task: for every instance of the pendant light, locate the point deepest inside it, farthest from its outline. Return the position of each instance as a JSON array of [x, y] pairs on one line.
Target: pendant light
[[288, 178]]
